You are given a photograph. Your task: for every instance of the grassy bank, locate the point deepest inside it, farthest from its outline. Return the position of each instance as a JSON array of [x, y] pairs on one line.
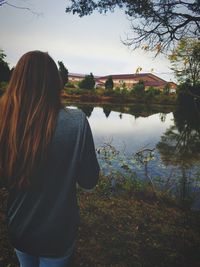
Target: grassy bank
[[115, 96], [135, 229], [82, 95]]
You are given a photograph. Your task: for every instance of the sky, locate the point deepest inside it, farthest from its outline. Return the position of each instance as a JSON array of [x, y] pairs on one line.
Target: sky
[[123, 132], [89, 44]]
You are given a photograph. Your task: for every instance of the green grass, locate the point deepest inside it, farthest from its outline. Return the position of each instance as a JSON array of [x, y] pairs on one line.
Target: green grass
[[118, 96], [136, 229]]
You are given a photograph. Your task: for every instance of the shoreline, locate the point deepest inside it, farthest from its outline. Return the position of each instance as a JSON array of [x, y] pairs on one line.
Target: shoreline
[[86, 97]]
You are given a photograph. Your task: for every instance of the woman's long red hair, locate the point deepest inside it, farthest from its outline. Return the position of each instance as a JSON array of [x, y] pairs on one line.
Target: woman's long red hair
[[28, 112]]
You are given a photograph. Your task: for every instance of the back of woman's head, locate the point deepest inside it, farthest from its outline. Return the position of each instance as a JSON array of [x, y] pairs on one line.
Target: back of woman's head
[[35, 78], [28, 112]]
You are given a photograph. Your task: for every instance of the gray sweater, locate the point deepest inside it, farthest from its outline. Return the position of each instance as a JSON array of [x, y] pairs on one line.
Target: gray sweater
[[43, 219]]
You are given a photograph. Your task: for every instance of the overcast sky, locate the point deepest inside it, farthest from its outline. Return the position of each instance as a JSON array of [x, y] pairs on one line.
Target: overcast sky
[[89, 44]]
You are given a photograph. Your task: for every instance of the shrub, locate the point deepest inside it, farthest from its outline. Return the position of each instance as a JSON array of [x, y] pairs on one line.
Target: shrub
[[139, 88], [109, 83], [88, 82], [70, 85], [74, 91], [99, 91], [124, 92], [3, 86], [63, 72], [109, 92], [166, 89], [152, 91]]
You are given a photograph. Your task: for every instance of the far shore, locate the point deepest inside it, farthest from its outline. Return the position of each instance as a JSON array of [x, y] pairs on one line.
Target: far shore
[[94, 98]]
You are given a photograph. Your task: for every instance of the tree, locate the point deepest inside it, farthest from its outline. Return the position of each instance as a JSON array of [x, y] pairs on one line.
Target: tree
[[166, 89], [180, 144], [2, 55], [63, 72], [2, 2], [139, 88], [88, 82], [4, 68], [185, 61], [87, 109], [109, 83], [5, 2], [106, 111], [156, 24], [152, 91], [182, 141]]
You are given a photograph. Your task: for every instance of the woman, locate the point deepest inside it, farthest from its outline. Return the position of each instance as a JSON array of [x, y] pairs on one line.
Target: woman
[[44, 151]]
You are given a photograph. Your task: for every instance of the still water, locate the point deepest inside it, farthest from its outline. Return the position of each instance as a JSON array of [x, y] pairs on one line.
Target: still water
[[126, 131], [173, 134], [123, 130]]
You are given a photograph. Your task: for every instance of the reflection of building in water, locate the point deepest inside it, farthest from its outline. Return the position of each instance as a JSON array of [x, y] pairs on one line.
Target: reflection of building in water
[[128, 80]]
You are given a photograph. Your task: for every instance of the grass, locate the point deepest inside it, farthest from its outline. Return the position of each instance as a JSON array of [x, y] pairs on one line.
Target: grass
[[136, 229], [116, 96]]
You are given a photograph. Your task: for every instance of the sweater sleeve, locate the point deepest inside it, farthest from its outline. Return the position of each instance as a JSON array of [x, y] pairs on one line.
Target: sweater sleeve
[[88, 171]]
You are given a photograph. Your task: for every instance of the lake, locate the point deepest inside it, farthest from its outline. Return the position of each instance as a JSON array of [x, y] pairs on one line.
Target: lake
[[117, 125], [172, 132]]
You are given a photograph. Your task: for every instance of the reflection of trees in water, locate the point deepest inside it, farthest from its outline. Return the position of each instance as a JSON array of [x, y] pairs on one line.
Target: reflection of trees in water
[[180, 145], [106, 111], [87, 109], [162, 117], [147, 110], [137, 110]]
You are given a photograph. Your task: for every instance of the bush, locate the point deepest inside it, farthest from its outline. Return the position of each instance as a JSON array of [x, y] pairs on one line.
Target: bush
[[100, 91], [152, 91], [166, 89], [63, 72], [124, 92], [139, 88], [109, 93], [4, 68], [3, 86], [88, 82], [74, 91], [109, 83], [70, 85]]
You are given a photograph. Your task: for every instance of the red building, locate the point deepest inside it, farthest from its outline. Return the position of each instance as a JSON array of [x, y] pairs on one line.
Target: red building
[[127, 80]]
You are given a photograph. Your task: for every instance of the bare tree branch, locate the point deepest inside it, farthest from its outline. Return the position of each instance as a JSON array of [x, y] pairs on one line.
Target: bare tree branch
[[157, 24], [4, 2]]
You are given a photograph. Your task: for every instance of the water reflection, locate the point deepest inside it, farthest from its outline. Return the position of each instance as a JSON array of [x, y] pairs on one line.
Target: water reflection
[[126, 125], [175, 133], [106, 112], [87, 109], [162, 117], [135, 110], [180, 146], [133, 133]]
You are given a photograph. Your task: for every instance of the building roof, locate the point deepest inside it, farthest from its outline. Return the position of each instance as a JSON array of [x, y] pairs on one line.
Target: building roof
[[133, 76], [155, 83], [79, 75], [148, 78]]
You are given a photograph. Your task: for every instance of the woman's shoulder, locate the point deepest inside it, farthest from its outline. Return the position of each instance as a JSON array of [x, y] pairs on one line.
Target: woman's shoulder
[[72, 112], [72, 115]]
